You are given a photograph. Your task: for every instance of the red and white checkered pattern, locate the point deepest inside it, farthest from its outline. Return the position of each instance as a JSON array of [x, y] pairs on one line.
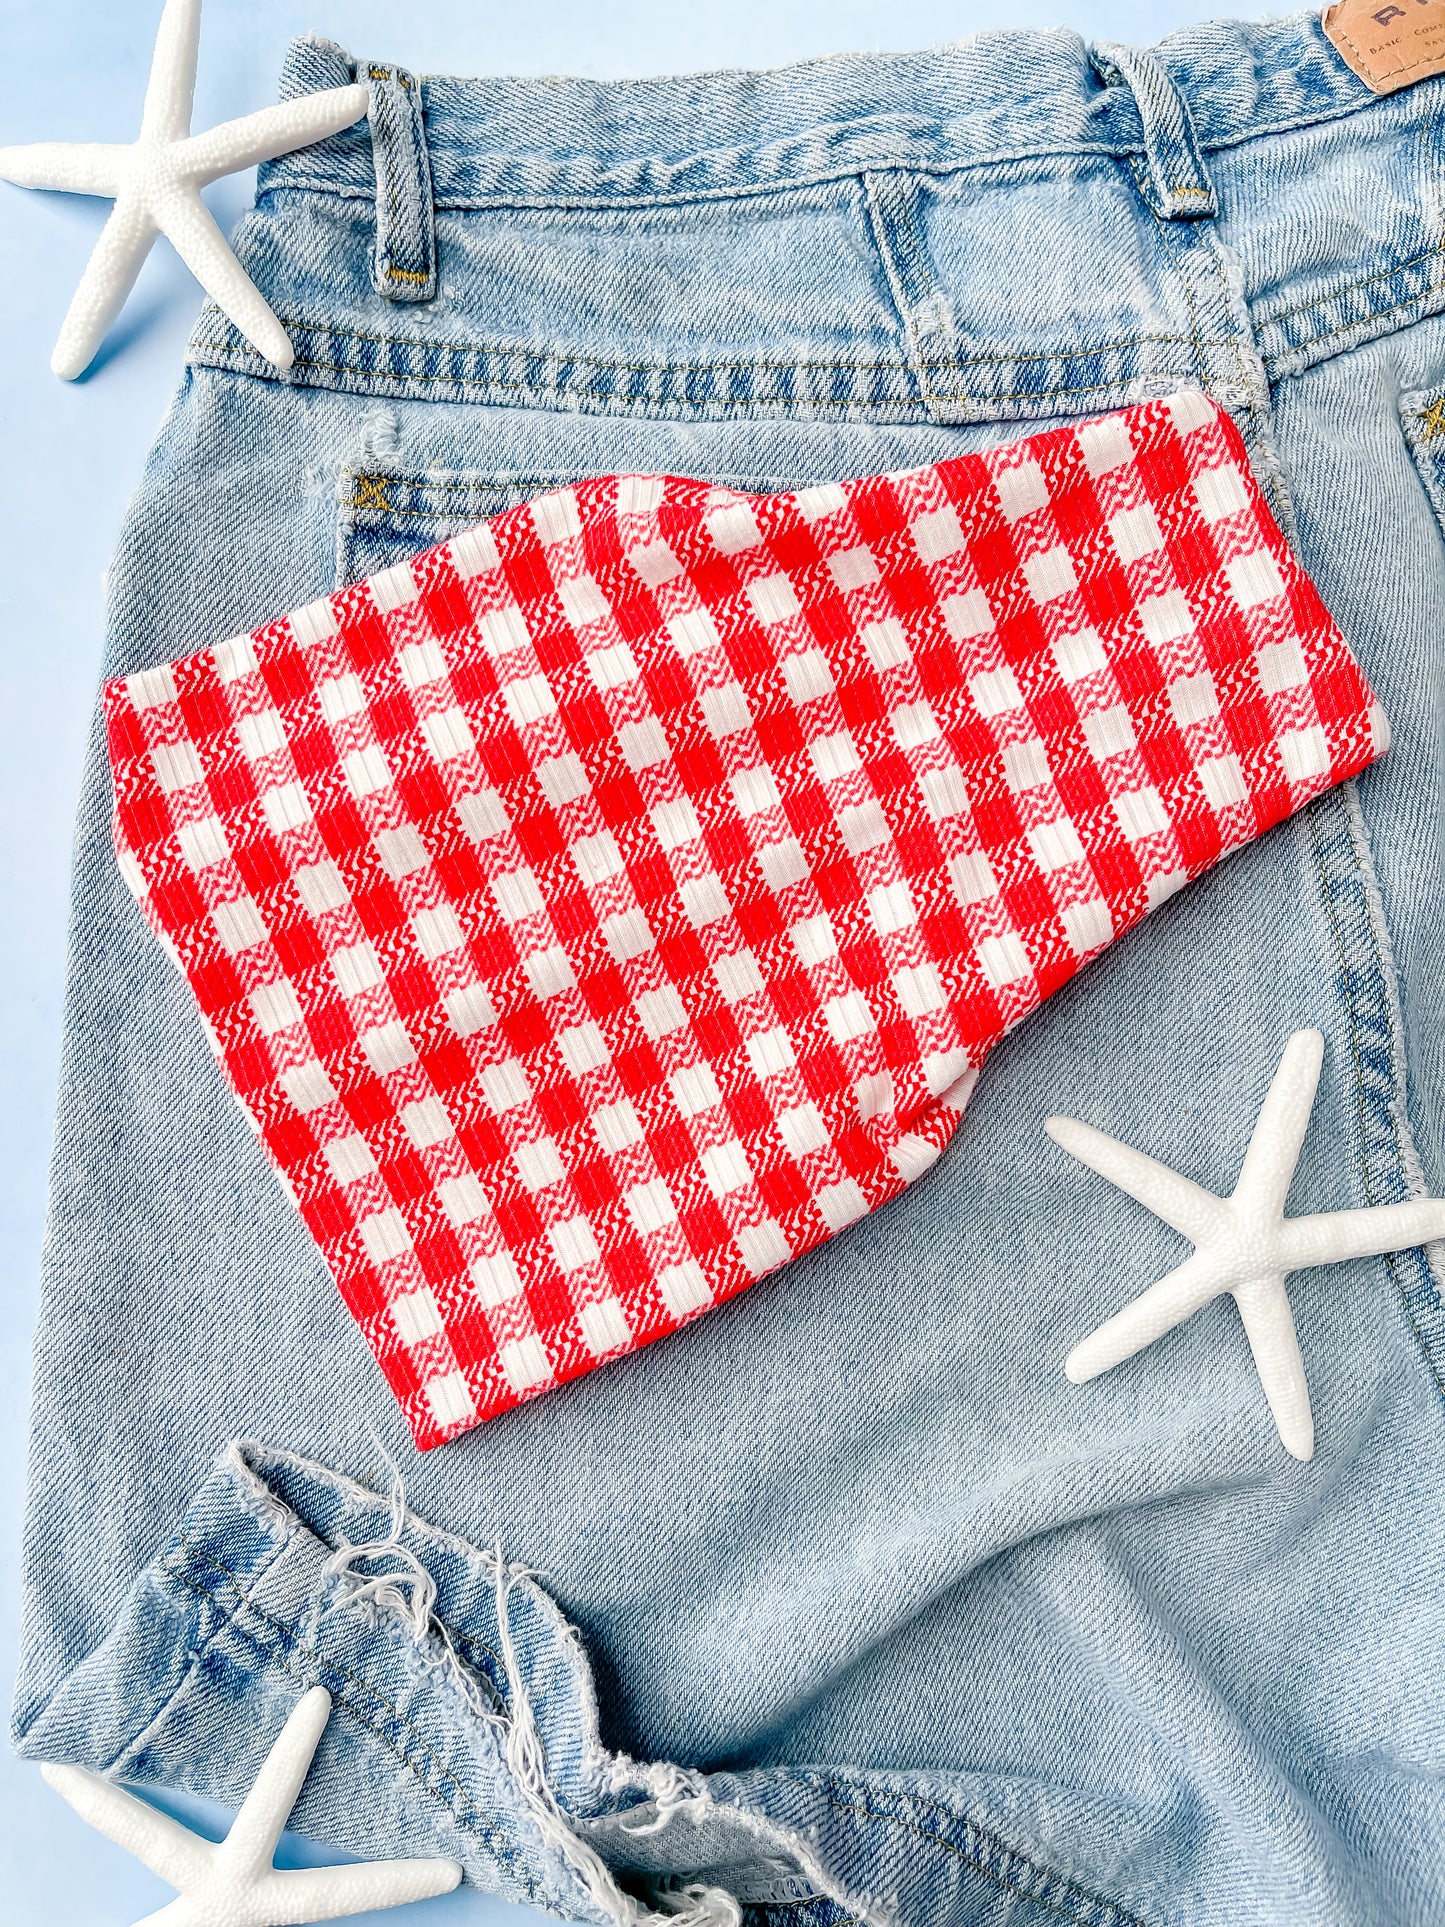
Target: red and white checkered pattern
[[619, 900]]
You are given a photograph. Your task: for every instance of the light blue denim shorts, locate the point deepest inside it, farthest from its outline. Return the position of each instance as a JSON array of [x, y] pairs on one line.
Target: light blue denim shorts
[[843, 1602]]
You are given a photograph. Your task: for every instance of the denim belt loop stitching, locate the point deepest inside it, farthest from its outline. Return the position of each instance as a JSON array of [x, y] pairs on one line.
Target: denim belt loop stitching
[[404, 263], [1175, 181]]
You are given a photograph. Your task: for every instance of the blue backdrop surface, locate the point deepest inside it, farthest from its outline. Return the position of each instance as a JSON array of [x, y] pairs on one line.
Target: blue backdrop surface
[[76, 71]]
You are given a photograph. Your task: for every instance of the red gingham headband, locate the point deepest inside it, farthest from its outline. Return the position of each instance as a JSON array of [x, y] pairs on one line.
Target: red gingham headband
[[619, 899]]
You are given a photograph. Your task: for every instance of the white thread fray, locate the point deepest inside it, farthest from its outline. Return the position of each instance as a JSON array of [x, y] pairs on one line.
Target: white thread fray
[[671, 1789], [408, 1592], [691, 1901]]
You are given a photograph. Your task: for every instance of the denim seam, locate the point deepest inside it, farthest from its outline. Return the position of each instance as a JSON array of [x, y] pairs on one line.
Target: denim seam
[[19, 1733], [1429, 1258], [203, 1642], [746, 404], [1379, 314], [556, 388], [871, 183], [803, 1909], [1361, 1120], [507, 351], [1257, 393], [621, 205], [496, 1842], [1205, 247], [1167, 245], [484, 1829], [954, 364], [397, 518], [1433, 287], [1089, 1909], [291, 1634], [1373, 1114], [917, 259], [1349, 287], [1215, 262]]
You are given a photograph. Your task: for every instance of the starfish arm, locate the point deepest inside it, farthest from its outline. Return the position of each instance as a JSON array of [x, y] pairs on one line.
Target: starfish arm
[[109, 276], [187, 224], [1269, 1326], [1279, 1131], [170, 1850], [1330, 1236], [1158, 1310], [326, 1893], [249, 1846], [1191, 1210], [166, 115], [275, 130], [72, 167], [176, 1913]]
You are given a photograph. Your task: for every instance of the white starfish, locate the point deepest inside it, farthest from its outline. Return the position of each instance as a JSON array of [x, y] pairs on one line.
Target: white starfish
[[234, 1884], [155, 183], [1244, 1244]]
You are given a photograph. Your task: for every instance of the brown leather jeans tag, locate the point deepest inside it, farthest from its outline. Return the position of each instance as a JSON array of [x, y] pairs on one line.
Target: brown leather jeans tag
[[1388, 43]]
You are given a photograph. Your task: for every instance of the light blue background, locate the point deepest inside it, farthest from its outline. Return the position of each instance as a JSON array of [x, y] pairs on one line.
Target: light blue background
[[76, 70]]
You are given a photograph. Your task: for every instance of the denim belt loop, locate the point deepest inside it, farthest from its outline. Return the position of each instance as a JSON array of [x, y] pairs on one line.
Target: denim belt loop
[[404, 264], [1174, 179]]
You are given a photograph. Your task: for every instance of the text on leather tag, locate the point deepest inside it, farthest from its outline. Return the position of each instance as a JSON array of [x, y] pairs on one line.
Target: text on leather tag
[[1388, 43]]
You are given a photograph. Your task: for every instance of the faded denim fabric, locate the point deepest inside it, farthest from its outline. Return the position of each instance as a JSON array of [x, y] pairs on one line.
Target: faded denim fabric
[[900, 1625]]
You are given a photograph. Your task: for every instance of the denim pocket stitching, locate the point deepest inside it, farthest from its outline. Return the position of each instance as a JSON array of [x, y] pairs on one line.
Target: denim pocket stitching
[[503, 350], [1432, 290], [486, 480]]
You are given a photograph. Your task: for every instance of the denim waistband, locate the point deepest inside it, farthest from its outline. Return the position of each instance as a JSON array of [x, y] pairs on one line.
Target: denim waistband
[[840, 239], [993, 99]]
